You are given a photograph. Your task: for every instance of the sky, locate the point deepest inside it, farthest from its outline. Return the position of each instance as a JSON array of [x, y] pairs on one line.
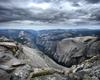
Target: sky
[[48, 12]]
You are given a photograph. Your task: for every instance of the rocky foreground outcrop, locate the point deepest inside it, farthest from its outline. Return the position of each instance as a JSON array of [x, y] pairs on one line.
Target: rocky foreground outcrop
[[17, 61]]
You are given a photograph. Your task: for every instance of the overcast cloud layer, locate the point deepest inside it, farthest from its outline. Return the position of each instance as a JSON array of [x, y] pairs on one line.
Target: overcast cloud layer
[[51, 11]]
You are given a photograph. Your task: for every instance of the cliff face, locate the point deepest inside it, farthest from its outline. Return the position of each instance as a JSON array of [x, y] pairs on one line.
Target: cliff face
[[27, 55], [68, 47], [72, 51]]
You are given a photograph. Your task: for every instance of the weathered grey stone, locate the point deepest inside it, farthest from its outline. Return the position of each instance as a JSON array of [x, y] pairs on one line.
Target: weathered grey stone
[[4, 75], [21, 73]]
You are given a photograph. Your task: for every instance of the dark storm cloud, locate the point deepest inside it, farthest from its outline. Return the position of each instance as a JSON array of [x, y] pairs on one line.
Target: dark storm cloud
[[93, 1], [13, 14], [50, 11]]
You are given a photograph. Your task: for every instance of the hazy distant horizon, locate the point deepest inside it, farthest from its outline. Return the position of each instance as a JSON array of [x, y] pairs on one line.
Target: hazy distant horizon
[[43, 26]]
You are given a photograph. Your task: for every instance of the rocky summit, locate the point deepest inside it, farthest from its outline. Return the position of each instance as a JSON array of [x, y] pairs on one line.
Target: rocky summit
[[50, 54]]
